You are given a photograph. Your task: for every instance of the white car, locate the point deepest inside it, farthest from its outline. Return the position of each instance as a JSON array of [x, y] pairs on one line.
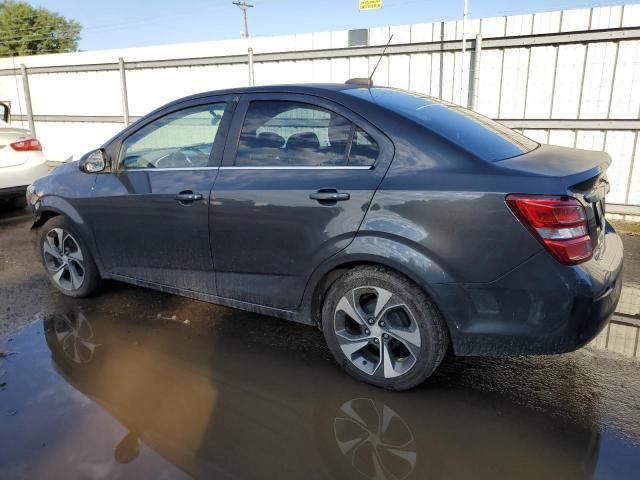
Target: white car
[[21, 162]]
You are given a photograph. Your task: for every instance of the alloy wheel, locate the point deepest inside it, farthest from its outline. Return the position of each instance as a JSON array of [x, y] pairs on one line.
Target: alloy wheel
[[63, 259], [377, 332]]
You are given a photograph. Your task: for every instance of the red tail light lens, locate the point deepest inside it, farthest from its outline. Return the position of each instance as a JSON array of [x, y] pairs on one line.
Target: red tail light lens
[[559, 223], [28, 145]]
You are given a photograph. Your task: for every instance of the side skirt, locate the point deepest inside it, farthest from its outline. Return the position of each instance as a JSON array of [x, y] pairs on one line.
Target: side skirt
[[292, 316]]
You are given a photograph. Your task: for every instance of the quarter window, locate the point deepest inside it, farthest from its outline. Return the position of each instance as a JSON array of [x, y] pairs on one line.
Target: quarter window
[[279, 133], [182, 139], [364, 149]]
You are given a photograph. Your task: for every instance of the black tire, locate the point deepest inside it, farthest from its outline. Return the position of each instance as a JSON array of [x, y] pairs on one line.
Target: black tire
[[19, 203], [90, 278], [415, 362]]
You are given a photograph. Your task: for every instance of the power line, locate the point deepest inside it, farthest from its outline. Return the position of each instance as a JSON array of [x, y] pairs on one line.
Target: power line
[[243, 5], [15, 33]]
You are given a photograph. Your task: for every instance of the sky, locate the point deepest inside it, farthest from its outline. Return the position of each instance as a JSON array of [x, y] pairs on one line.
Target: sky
[[133, 23]]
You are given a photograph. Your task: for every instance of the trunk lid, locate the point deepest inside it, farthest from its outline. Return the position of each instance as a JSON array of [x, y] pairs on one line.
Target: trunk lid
[[567, 171], [8, 156], [10, 135]]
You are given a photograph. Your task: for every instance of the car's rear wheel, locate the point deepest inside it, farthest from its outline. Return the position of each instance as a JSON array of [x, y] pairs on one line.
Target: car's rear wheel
[[383, 329], [67, 260]]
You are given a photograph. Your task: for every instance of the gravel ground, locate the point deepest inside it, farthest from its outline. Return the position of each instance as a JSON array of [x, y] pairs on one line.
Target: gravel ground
[[24, 287]]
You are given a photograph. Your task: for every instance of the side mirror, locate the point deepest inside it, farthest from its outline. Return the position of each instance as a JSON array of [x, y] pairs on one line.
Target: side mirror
[[5, 111], [94, 162]]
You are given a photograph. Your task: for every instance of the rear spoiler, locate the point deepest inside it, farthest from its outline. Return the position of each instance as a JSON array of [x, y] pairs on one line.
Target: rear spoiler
[[570, 164]]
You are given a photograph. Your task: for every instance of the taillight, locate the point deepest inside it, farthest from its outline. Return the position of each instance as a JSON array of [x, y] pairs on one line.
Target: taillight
[[28, 145], [559, 223]]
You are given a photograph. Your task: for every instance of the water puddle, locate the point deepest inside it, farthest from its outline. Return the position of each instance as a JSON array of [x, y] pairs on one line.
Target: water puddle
[[137, 384]]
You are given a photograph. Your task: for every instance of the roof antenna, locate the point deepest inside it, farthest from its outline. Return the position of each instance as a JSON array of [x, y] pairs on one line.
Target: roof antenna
[[369, 81]]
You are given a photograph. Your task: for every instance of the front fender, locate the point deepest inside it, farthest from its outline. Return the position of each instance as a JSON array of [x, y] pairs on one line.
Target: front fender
[[52, 205], [57, 205]]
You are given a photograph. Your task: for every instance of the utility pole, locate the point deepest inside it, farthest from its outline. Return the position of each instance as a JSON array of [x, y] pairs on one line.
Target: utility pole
[[243, 5], [464, 48]]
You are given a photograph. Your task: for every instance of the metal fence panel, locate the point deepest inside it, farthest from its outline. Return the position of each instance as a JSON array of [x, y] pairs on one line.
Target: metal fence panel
[[566, 77]]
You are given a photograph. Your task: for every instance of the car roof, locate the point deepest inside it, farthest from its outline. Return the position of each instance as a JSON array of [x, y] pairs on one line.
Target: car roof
[[288, 87], [331, 91], [308, 88]]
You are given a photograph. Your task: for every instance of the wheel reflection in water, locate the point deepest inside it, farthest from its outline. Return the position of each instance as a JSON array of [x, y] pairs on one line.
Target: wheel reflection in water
[[375, 440]]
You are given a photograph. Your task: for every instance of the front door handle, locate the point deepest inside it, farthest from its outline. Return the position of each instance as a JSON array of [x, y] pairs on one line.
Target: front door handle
[[188, 196], [329, 196]]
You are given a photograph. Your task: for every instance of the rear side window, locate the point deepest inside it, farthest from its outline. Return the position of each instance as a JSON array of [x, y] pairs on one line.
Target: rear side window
[[283, 133], [479, 135]]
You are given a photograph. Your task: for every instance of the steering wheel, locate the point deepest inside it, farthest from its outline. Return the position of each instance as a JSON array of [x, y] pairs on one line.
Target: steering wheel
[[198, 159], [173, 160]]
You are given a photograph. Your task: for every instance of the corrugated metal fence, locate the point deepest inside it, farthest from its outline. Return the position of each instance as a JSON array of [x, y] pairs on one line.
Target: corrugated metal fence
[[567, 77]]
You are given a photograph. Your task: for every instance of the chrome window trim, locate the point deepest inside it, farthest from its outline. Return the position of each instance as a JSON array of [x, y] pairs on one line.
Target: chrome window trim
[[248, 167], [293, 167], [168, 169]]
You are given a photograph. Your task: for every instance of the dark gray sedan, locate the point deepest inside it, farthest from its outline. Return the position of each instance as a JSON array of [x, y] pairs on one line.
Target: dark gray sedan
[[402, 226]]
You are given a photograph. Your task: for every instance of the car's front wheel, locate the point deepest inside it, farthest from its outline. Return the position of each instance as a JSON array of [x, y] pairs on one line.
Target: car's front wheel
[[383, 329], [67, 260]]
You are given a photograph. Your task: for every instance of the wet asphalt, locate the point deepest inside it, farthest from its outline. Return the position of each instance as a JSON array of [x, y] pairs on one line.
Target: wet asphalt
[[139, 384]]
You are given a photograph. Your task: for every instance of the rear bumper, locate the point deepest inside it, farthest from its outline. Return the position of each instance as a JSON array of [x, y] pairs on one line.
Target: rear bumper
[[13, 192], [541, 307], [21, 175]]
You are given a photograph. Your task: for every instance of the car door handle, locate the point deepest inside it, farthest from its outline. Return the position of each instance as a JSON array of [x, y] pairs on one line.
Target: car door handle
[[329, 196], [188, 197]]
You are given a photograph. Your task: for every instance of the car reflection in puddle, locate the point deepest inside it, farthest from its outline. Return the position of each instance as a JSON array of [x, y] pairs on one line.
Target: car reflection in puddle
[[237, 395]]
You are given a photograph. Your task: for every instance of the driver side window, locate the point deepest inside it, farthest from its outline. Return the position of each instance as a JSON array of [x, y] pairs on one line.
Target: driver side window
[[182, 139]]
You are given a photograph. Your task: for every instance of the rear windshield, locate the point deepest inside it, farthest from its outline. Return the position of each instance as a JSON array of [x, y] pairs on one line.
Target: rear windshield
[[479, 135]]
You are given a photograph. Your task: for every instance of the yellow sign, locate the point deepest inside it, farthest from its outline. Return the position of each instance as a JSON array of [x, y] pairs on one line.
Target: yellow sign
[[370, 4]]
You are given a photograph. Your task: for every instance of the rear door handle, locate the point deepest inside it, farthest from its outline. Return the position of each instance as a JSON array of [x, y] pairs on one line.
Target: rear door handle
[[188, 196], [329, 196]]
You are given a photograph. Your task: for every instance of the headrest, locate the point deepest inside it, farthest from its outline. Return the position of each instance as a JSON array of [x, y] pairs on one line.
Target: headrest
[[269, 139], [304, 140]]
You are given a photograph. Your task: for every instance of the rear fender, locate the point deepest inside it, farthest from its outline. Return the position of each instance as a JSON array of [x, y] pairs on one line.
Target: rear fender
[[377, 249]]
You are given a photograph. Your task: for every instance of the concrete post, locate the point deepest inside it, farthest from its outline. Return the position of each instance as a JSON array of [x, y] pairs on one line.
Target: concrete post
[[27, 99], [474, 81], [123, 89], [251, 77]]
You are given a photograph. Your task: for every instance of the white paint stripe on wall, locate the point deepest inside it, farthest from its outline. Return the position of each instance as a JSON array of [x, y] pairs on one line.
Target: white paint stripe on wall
[[619, 145], [625, 99], [569, 69]]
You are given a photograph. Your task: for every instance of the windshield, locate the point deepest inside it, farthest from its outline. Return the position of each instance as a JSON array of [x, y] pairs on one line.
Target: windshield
[[479, 135]]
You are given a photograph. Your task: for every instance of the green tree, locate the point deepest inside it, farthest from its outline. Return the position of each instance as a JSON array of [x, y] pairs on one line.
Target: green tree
[[26, 30]]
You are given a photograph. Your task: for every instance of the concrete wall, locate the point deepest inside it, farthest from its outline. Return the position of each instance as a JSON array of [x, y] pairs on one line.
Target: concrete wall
[[564, 81]]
